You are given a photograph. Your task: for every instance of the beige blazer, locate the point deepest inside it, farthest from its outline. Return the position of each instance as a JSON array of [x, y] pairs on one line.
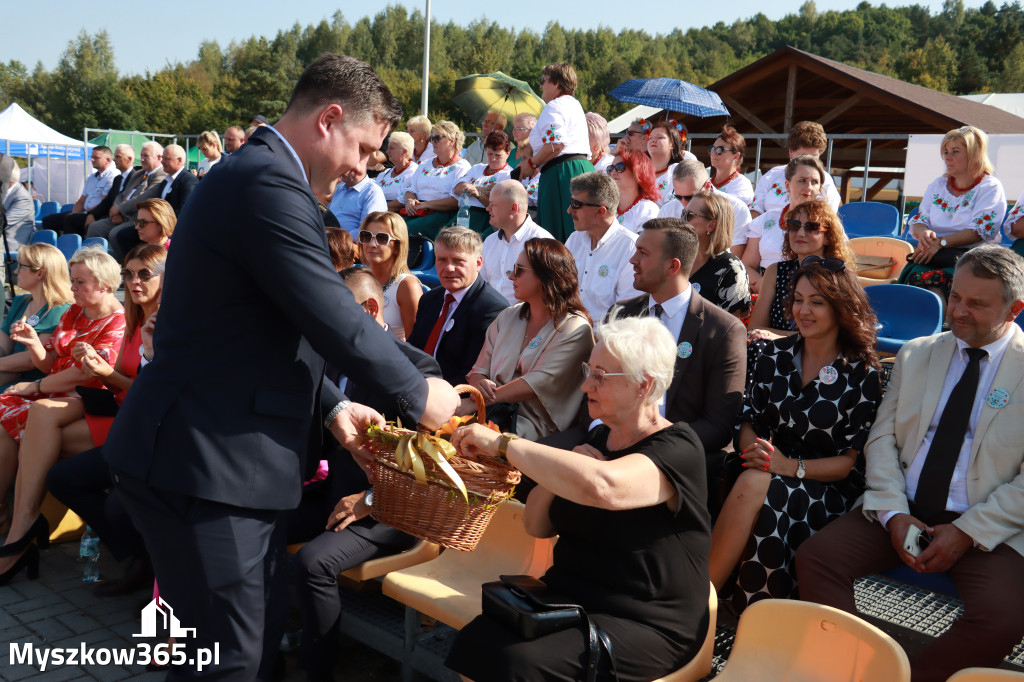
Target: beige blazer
[[995, 479]]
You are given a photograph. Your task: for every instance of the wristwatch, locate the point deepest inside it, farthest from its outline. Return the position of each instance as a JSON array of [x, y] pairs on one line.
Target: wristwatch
[[943, 243], [368, 498], [503, 442], [800, 470]]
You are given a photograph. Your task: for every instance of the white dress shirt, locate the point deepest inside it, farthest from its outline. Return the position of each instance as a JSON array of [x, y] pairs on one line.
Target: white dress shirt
[[673, 314], [500, 255], [458, 296], [169, 182], [604, 271]]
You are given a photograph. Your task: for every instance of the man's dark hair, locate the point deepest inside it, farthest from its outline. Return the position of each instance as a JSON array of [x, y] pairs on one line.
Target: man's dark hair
[[338, 79], [680, 240], [105, 150]]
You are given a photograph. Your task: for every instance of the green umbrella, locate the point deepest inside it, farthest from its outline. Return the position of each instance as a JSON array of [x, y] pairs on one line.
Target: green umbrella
[[483, 92]]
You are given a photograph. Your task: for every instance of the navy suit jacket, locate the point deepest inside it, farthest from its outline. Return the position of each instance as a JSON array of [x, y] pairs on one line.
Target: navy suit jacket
[[251, 307], [181, 190], [459, 346]]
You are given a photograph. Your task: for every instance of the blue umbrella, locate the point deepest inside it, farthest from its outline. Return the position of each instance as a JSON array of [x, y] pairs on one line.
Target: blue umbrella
[[671, 94]]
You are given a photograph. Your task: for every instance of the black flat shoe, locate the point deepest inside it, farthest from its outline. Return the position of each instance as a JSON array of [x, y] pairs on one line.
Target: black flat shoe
[[137, 575], [30, 558], [40, 532]]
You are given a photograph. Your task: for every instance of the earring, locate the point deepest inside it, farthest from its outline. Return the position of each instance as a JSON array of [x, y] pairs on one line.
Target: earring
[[710, 231]]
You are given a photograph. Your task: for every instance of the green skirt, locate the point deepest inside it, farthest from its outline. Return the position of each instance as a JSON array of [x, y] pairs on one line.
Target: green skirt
[[553, 197], [430, 225]]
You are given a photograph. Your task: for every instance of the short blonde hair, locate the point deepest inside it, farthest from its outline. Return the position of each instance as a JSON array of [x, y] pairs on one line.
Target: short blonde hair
[[399, 231], [56, 282], [451, 131], [101, 264], [461, 239], [645, 349], [975, 141], [719, 209], [209, 138], [419, 122], [163, 214], [404, 140]]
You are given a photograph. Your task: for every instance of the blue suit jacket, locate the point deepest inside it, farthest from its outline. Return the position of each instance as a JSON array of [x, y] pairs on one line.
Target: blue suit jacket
[[251, 306]]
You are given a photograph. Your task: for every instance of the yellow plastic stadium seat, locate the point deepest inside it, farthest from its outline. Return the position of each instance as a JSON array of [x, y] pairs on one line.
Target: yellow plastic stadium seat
[[985, 675], [65, 525], [374, 568], [796, 641], [699, 667], [448, 588], [870, 251]]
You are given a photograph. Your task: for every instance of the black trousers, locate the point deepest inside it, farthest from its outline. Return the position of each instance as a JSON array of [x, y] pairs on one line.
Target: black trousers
[[221, 568], [65, 223]]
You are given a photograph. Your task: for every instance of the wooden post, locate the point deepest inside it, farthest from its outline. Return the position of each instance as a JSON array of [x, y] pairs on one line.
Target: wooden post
[[790, 96]]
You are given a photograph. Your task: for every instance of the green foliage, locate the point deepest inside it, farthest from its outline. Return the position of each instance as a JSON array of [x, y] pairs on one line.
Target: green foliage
[[959, 50]]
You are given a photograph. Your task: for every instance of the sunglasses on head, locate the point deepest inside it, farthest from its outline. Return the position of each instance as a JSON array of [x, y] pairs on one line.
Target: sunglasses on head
[[576, 204], [831, 264], [720, 149], [810, 227], [144, 275], [380, 238], [619, 167]]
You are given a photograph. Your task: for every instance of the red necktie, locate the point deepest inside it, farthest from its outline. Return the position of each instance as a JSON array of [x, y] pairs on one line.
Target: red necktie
[[435, 333]]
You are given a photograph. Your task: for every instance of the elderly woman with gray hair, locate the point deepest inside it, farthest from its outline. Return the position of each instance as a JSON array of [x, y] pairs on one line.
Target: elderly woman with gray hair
[[628, 507], [430, 202], [395, 180]]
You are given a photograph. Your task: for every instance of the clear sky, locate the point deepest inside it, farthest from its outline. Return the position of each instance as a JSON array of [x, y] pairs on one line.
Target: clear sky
[[150, 35]]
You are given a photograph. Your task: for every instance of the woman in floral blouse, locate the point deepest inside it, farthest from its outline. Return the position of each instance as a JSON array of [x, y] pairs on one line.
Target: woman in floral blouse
[[429, 200], [1014, 225], [961, 209], [477, 183]]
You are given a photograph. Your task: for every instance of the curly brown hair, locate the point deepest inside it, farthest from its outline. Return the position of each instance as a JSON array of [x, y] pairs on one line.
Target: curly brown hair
[[854, 315], [836, 243], [555, 267]]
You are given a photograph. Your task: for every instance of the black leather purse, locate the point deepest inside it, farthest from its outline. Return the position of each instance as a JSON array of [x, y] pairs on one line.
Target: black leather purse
[[527, 607]]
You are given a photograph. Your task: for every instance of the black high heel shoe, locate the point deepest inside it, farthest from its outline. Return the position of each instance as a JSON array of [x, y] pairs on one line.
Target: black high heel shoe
[[40, 532], [30, 558]]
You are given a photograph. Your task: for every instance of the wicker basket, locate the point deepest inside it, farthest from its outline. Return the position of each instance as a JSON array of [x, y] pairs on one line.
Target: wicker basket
[[434, 511]]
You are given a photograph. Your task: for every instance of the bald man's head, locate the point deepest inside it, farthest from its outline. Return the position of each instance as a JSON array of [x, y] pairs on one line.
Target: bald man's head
[[366, 290]]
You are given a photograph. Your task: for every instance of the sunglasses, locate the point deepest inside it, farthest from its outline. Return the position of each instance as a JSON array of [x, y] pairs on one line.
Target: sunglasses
[[810, 227], [619, 167], [436, 138], [687, 214], [831, 264], [516, 270], [381, 238], [628, 133], [139, 222], [598, 375], [576, 204], [144, 275], [719, 149]]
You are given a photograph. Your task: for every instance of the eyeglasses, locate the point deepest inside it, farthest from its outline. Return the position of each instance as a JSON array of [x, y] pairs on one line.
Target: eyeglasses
[[720, 149], [831, 264], [139, 222], [633, 132], [810, 227], [598, 375], [144, 275], [519, 130], [436, 138], [576, 204], [516, 271], [27, 266], [619, 167], [381, 238], [684, 197], [688, 214]]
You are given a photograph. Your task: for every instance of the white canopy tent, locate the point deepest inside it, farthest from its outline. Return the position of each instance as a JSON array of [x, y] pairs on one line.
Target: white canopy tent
[[57, 163]]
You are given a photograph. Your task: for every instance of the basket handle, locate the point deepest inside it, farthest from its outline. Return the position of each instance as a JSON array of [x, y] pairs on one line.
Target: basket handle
[[478, 398]]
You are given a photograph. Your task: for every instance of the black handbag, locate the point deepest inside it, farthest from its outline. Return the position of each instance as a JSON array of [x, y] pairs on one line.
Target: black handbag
[[943, 258], [527, 607], [98, 402], [505, 415]]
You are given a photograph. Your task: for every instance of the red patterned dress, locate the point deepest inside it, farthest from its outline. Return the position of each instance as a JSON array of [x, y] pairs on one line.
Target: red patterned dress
[[104, 335]]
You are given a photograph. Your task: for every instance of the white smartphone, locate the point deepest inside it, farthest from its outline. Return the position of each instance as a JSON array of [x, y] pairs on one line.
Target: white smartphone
[[916, 541]]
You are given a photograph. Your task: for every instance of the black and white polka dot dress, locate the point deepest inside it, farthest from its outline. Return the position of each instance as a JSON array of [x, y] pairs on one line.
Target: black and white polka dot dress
[[814, 421]]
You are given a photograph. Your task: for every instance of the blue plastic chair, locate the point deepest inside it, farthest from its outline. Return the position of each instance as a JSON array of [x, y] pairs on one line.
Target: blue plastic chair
[[47, 208], [97, 241], [904, 313], [907, 235], [428, 277], [36, 204], [66, 208], [421, 253], [69, 244], [870, 219], [44, 237]]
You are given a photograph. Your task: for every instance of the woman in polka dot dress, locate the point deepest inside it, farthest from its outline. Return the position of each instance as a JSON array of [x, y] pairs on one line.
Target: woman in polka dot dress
[[810, 402]]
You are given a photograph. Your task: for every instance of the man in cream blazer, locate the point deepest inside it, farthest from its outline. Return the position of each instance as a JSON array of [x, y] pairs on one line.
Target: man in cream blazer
[[975, 510]]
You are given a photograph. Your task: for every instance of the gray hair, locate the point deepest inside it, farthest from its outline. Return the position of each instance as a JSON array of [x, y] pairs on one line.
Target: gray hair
[[598, 187], [461, 239], [175, 150], [101, 264], [404, 140], [997, 262], [691, 168], [644, 347], [126, 149], [514, 191], [597, 128], [524, 120], [155, 146], [16, 176]]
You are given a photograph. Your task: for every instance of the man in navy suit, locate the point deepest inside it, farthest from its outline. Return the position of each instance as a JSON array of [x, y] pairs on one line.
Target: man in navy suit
[[212, 446], [452, 320]]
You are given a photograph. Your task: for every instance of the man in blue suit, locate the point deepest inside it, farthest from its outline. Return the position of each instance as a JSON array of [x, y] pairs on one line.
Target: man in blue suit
[[211, 446]]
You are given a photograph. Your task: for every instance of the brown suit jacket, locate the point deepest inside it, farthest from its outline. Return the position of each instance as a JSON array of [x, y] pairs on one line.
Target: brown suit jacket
[[707, 388]]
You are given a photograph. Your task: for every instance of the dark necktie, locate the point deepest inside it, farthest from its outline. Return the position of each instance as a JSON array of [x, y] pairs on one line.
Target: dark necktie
[[656, 310], [933, 486], [435, 333]]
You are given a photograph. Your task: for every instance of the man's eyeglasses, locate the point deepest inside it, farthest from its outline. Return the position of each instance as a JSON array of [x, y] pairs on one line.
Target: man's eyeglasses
[[139, 222], [598, 375], [629, 133], [143, 275], [810, 227], [720, 149], [380, 238], [831, 264], [688, 214], [684, 197], [619, 167], [576, 204], [516, 270]]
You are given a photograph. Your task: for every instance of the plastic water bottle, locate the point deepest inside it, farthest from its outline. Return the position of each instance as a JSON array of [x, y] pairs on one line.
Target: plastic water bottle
[[89, 553], [462, 219]]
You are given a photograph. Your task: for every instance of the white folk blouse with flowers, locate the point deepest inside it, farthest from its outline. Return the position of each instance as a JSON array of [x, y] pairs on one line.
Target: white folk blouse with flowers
[[740, 188], [1015, 214], [562, 122], [664, 182], [771, 193], [531, 184], [766, 228], [638, 214], [395, 186], [430, 183], [981, 209], [476, 177]]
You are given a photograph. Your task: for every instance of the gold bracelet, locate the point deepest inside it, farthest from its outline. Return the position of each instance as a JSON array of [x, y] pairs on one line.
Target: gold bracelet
[[503, 442]]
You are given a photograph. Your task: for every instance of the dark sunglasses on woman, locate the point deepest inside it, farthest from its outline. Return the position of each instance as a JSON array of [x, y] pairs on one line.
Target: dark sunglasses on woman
[[719, 149], [810, 227], [381, 238], [619, 167], [144, 275], [832, 264]]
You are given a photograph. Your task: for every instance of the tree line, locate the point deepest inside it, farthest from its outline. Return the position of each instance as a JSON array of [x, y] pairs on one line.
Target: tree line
[[955, 50]]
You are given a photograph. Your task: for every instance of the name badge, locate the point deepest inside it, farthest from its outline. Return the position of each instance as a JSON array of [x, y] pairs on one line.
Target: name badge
[[828, 375], [684, 350], [448, 325], [997, 398]]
